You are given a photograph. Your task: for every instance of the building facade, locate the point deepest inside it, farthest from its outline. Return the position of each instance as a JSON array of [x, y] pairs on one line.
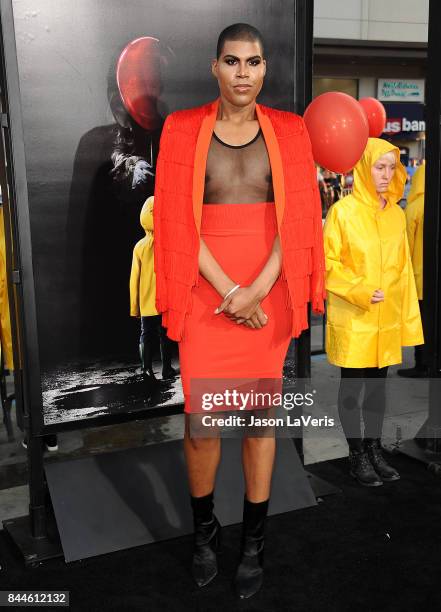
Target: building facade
[[377, 49]]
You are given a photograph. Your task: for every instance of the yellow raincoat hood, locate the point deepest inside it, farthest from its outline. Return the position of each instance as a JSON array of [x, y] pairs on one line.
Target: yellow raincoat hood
[[146, 216], [364, 186], [366, 249], [418, 184], [142, 277]]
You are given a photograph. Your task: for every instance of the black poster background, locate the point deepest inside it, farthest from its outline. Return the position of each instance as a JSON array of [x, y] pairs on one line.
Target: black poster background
[[83, 225]]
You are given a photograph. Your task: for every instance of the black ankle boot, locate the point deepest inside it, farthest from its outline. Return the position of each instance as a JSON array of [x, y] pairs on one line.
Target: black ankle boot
[[168, 371], [386, 471], [362, 469], [416, 372], [249, 574], [145, 353], [206, 540]]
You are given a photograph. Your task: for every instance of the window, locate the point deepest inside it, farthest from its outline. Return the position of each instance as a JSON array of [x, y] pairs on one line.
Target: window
[[322, 85]]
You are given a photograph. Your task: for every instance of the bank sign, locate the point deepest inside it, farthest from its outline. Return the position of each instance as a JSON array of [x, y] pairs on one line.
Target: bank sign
[[405, 120], [400, 90]]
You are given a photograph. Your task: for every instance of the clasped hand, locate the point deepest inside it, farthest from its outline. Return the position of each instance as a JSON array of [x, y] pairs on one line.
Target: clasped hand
[[243, 306], [378, 296]]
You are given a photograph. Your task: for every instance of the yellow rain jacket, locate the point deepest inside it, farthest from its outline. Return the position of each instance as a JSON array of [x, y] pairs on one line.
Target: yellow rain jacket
[[5, 322], [143, 278], [415, 221], [366, 248]]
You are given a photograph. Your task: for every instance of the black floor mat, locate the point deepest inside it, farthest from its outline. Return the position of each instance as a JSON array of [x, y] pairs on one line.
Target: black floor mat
[[365, 549]]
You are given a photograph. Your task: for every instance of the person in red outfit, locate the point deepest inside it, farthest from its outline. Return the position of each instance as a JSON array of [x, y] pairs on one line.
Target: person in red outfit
[[238, 256]]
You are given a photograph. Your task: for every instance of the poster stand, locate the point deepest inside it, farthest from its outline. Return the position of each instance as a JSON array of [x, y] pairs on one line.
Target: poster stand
[[36, 535]]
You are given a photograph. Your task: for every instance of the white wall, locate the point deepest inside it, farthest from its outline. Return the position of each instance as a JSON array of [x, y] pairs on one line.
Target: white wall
[[386, 20]]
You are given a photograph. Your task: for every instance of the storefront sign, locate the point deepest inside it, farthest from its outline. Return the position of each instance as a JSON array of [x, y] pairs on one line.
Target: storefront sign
[[403, 124], [402, 90], [404, 119]]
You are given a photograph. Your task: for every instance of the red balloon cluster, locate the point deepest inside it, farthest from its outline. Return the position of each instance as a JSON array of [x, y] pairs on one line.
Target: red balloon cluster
[[339, 127], [376, 114]]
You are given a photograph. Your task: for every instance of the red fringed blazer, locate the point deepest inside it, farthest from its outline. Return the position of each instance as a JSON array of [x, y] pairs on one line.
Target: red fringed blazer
[[177, 210]]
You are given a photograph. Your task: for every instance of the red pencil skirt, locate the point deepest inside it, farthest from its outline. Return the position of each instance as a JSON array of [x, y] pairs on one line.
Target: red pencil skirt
[[240, 237]]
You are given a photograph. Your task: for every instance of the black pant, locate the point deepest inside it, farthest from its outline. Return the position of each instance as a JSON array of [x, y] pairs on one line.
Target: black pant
[[420, 361], [152, 329], [352, 382]]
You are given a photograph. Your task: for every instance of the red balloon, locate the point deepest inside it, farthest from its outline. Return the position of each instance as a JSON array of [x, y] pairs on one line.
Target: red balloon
[[138, 74], [338, 129], [376, 116]]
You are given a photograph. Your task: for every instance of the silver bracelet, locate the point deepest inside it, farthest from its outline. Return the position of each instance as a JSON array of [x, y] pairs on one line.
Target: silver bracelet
[[231, 291]]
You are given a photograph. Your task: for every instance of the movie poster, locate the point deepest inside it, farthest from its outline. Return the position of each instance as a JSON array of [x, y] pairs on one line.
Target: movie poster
[[97, 79]]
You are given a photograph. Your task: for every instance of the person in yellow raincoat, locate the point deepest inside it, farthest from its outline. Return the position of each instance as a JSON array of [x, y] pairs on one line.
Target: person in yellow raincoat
[[142, 300], [372, 304], [414, 212], [6, 352], [5, 322]]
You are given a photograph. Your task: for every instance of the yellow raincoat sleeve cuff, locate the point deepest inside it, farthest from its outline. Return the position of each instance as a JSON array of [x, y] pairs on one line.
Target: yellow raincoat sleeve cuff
[[361, 295], [348, 287]]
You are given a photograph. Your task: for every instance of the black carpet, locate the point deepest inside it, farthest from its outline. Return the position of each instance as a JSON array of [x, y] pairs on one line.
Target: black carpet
[[365, 549]]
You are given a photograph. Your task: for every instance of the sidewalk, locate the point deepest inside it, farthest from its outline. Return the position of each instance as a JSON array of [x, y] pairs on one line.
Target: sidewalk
[[407, 410]]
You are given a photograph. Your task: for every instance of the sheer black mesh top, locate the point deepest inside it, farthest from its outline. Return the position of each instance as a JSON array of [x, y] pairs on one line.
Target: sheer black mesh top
[[238, 174]]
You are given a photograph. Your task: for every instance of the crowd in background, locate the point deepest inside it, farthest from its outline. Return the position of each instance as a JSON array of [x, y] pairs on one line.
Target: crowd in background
[[334, 186]]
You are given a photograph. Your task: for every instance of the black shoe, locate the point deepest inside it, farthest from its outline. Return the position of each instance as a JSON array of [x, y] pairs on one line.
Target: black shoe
[[165, 345], [249, 574], [206, 547], [146, 354], [169, 372], [362, 469], [206, 539], [386, 471], [416, 372], [150, 378], [51, 442]]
